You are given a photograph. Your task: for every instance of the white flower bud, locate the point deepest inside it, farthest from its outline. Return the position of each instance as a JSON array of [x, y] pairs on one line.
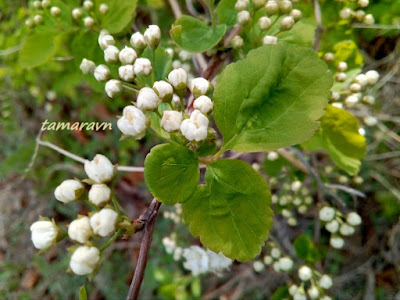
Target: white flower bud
[[305, 273], [87, 4], [242, 5], [287, 23], [152, 36], [55, 11], [79, 230], [293, 289], [335, 96], [362, 79], [372, 77], [264, 23], [137, 41], [126, 73], [332, 226], [313, 292], [176, 64], [271, 7], [142, 66], [29, 23], [276, 266], [171, 120], [336, 242], [88, 21], [133, 122], [299, 295], [296, 14], [272, 156], [353, 219], [37, 4], [127, 56], [363, 3], [360, 14], [178, 79], [326, 298], [199, 86], [343, 179], [329, 56], [111, 54], [325, 282], [147, 99], [170, 52], [342, 66], [69, 190], [76, 13], [369, 99], [361, 131], [285, 264], [258, 266], [259, 3], [103, 222], [369, 20], [243, 17], [99, 194], [270, 40], [103, 8], [285, 6], [327, 214], [102, 73], [346, 229], [355, 87], [46, 3], [100, 169], [275, 253], [268, 260], [87, 66], [105, 40], [351, 100], [296, 185], [237, 42], [345, 13], [204, 104], [43, 234], [184, 55], [340, 77], [302, 209], [113, 88], [84, 260], [163, 90], [37, 19], [357, 180], [195, 128]]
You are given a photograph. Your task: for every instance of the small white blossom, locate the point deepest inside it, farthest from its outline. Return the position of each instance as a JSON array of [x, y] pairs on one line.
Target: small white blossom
[[43, 234], [204, 104], [271, 7], [369, 20], [113, 88], [237, 42], [87, 66], [275, 253], [126, 73], [332, 226], [133, 122], [259, 3], [217, 261], [296, 14], [46, 3], [287, 23], [76, 13], [345, 13], [268, 260], [142, 66], [270, 40], [99, 194], [342, 66], [326, 298], [103, 222], [88, 21], [362, 79], [170, 52], [325, 282], [195, 128], [178, 252], [329, 56], [79, 230], [171, 120], [353, 219], [105, 40], [37, 19], [293, 289], [313, 292], [242, 5], [355, 87], [196, 260], [84, 260], [360, 14], [285, 6], [372, 77], [264, 23], [30, 23], [100, 169], [37, 4], [127, 55], [351, 100], [87, 4], [285, 264], [346, 229], [137, 41], [55, 11], [103, 8], [370, 121], [111, 54], [305, 273], [292, 221], [335, 96], [178, 79], [327, 214], [258, 266], [363, 3], [169, 244], [69, 190], [164, 90], [302, 209], [102, 73], [152, 36], [361, 131], [199, 86], [272, 156], [369, 99], [340, 76], [147, 99], [296, 185], [184, 55], [336, 242], [243, 17]]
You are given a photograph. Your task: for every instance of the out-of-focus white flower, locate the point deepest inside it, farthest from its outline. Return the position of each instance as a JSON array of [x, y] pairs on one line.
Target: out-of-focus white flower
[[259, 3], [142, 66], [369, 20], [55, 11], [30, 23], [242, 5], [327, 214], [196, 260], [285, 264], [102, 73], [111, 54], [355, 87], [353, 219], [332, 226], [296, 185], [170, 52], [326, 298], [243, 17], [105, 40], [369, 99], [133, 122], [76, 13], [147, 99], [268, 260], [325, 282], [178, 253], [184, 55], [79, 230], [346, 229], [103, 8], [195, 128], [87, 66], [37, 4], [351, 100], [345, 13], [272, 156], [88, 21], [164, 90], [203, 104], [342, 66], [287, 23], [285, 6], [113, 88], [199, 86], [275, 253], [37, 19], [362, 79], [127, 55], [363, 3], [100, 169], [340, 76], [313, 292], [99, 194], [270, 40], [171, 120], [292, 221], [217, 261], [43, 234], [84, 260], [69, 190], [336, 242], [178, 79], [126, 73], [169, 244], [87, 4], [299, 295], [271, 7], [305, 273], [372, 77], [46, 3], [137, 41], [370, 121], [103, 222], [296, 14], [152, 36], [264, 23], [293, 289], [237, 42], [335, 96], [302, 209], [258, 266]]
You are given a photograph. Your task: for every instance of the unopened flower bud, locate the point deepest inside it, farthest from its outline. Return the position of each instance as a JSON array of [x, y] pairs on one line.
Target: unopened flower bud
[[105, 40], [237, 42], [163, 90], [327, 214], [305, 273], [100, 169], [84, 260], [287, 23], [38, 19], [142, 66], [345, 13], [275, 253], [270, 40], [87, 66], [296, 14], [342, 66], [43, 234], [171, 120], [369, 99], [285, 264], [203, 104], [325, 282], [126, 73], [199, 86], [103, 222], [55, 11], [242, 5], [285, 6], [272, 156], [29, 23], [178, 79], [88, 21], [170, 52], [258, 266], [79, 230], [335, 96], [355, 87], [147, 99], [243, 17], [329, 56], [332, 226], [340, 77], [69, 190], [363, 3], [111, 54], [103, 8], [37, 4], [137, 41], [259, 3], [271, 7], [76, 13], [264, 23], [336, 242], [362, 79], [359, 14], [113, 88], [372, 77], [101, 73], [133, 122], [351, 100], [370, 121], [346, 229], [99, 194], [195, 128], [127, 56], [46, 3], [313, 292], [152, 36], [353, 219], [87, 4]]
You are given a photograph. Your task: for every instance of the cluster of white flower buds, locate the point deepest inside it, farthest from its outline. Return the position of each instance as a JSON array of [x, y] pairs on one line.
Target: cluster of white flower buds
[[338, 225], [275, 259], [38, 8], [85, 14], [358, 15], [174, 215], [101, 222]]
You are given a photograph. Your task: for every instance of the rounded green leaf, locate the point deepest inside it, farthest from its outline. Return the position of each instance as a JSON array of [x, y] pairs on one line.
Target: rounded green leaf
[[195, 36], [120, 14], [231, 213], [271, 99], [37, 49], [171, 173]]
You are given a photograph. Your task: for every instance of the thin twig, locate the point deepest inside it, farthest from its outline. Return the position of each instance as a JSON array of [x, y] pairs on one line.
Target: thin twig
[[319, 29], [176, 10], [344, 188]]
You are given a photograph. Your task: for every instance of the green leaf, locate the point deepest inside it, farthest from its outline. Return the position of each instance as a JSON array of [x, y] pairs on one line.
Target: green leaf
[[305, 249], [195, 36], [82, 293], [301, 34], [271, 99], [226, 12], [171, 173], [120, 14], [281, 293], [231, 213], [162, 64], [37, 49], [339, 136]]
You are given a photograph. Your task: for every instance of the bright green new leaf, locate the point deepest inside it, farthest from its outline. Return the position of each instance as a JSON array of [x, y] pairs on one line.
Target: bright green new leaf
[[231, 213], [171, 173], [82, 293], [339, 136], [161, 62], [271, 99], [195, 36], [226, 12], [37, 49], [120, 14], [305, 249]]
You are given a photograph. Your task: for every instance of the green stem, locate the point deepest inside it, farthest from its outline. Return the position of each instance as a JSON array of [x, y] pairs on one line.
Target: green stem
[[116, 204], [158, 113], [111, 240], [130, 87], [182, 104], [210, 6], [91, 205]]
